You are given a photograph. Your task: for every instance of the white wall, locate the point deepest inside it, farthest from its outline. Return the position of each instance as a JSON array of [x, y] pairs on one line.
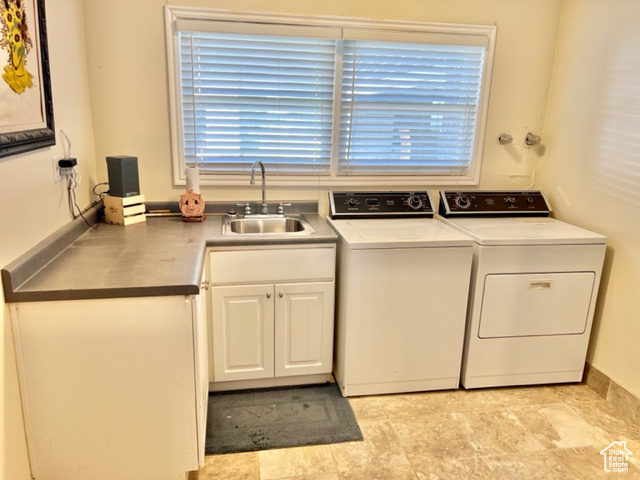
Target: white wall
[[591, 169], [33, 206], [128, 77]]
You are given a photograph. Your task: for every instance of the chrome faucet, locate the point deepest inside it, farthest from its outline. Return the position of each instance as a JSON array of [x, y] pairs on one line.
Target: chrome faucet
[[263, 205]]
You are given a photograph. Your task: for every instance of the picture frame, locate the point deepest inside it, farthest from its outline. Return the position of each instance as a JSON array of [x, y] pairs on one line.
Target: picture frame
[[20, 135]]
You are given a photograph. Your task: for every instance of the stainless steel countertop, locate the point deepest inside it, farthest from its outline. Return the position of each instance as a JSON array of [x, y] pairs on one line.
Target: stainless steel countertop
[[162, 256]]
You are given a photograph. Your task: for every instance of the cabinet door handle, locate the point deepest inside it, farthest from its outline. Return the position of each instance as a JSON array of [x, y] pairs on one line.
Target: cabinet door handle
[[281, 294], [268, 295], [205, 285]]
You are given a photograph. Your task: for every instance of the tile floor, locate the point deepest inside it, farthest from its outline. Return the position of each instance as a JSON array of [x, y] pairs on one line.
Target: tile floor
[[546, 432]]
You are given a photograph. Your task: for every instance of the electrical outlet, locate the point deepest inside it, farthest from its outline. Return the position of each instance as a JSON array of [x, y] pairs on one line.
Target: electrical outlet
[[56, 168]]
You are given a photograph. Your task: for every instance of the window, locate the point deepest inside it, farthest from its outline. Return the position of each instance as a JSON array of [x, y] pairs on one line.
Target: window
[[408, 108], [256, 97], [330, 101]]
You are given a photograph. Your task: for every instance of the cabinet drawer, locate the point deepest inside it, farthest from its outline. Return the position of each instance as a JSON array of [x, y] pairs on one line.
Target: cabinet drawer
[[272, 265]]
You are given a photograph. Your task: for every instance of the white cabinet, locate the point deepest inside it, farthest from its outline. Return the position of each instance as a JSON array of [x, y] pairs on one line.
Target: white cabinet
[[272, 313], [201, 369], [304, 328], [113, 388], [242, 318]]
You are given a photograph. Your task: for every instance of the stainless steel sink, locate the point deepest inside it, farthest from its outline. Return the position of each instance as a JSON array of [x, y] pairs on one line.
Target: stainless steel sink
[[267, 225]]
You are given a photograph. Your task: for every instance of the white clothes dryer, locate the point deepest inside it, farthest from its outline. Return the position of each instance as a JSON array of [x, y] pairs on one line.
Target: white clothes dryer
[[533, 288], [402, 287]]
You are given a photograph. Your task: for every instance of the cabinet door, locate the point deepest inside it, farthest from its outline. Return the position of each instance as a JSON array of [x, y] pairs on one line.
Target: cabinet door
[[304, 328], [242, 321], [108, 387]]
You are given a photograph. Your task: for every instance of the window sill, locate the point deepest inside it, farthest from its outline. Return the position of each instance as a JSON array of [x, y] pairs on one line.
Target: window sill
[[379, 181]]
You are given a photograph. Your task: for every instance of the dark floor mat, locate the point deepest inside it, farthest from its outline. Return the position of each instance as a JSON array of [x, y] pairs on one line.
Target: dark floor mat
[[252, 420]]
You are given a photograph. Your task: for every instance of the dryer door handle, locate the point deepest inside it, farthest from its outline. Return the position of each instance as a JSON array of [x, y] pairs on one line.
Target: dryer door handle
[[541, 284]]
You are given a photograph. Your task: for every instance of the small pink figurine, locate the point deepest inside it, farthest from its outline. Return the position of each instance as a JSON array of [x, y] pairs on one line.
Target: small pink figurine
[[192, 207]]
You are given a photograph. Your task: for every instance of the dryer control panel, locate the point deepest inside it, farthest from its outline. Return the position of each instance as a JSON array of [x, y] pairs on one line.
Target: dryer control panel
[[380, 204], [455, 203]]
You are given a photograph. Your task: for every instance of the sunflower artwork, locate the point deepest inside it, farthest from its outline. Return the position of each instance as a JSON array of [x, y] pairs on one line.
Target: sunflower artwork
[[16, 41]]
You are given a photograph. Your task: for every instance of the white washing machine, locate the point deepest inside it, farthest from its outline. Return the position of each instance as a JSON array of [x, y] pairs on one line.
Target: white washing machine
[[533, 288], [402, 288]]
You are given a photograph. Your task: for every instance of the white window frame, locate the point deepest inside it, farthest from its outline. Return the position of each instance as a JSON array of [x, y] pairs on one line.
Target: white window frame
[[176, 14]]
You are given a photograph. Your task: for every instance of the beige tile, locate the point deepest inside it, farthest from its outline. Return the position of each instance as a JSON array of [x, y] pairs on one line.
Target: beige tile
[[331, 476], [496, 432], [575, 393], [299, 461], [557, 426], [462, 469], [472, 400], [596, 380], [625, 401], [634, 446], [427, 403], [612, 423], [522, 396], [587, 464], [236, 466], [379, 449], [529, 466], [367, 407], [434, 437], [415, 404], [383, 473]]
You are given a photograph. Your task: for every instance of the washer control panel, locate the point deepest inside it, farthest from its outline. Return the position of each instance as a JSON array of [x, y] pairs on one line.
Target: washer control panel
[[454, 203], [380, 204]]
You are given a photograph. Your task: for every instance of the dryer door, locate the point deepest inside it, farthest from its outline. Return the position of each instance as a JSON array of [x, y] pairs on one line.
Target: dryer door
[[520, 305]]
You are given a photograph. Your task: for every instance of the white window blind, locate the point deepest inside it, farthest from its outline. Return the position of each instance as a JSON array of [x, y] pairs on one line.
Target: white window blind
[[256, 97], [409, 108], [332, 101]]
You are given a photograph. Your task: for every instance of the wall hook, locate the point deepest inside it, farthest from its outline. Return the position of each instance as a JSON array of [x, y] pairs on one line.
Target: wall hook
[[532, 139], [505, 139]]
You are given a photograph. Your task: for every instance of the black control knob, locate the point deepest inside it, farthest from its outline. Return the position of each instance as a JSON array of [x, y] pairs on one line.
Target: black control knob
[[351, 202], [510, 200], [414, 202], [530, 200], [462, 201]]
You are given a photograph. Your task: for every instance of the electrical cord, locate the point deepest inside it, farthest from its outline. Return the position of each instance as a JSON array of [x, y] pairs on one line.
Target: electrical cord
[[67, 147], [73, 180], [100, 194]]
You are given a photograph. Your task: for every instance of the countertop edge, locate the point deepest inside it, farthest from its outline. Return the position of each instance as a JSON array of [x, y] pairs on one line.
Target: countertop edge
[[90, 294]]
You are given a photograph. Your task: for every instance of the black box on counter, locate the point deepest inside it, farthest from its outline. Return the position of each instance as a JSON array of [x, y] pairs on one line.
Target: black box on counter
[[123, 176]]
